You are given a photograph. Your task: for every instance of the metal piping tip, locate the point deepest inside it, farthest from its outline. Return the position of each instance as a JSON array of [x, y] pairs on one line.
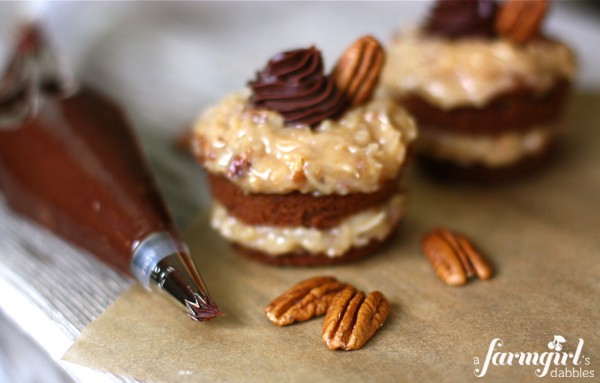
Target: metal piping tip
[[202, 309], [174, 278], [162, 263]]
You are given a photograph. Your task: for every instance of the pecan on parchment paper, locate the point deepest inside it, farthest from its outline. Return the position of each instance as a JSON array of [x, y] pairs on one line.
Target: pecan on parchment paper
[[453, 257], [352, 319], [304, 301]]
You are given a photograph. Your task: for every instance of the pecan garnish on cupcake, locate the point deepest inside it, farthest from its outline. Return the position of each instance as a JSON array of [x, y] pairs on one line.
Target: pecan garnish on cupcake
[[357, 70], [294, 85], [517, 20], [520, 21]]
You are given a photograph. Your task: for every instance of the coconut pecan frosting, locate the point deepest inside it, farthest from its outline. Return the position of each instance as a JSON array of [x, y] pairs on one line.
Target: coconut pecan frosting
[[294, 85]]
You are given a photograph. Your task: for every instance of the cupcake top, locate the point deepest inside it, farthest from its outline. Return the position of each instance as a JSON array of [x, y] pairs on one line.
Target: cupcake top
[[297, 129], [470, 51]]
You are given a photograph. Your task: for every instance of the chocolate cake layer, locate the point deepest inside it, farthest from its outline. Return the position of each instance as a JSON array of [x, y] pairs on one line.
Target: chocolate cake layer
[[294, 209], [518, 110], [304, 258], [451, 172]]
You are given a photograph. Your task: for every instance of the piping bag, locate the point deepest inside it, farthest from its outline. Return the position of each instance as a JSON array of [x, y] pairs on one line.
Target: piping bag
[[70, 161]]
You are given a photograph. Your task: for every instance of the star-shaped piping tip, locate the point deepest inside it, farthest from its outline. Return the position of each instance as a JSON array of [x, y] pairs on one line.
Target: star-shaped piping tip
[[202, 309]]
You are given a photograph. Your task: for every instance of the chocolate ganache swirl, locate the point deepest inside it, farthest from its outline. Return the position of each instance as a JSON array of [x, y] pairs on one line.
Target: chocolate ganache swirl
[[462, 18], [293, 84]]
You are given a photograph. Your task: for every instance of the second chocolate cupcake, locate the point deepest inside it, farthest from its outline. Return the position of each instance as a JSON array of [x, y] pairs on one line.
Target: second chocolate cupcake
[[487, 87]]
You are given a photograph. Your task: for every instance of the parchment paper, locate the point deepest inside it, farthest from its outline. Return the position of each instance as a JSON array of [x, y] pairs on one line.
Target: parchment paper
[[541, 234]]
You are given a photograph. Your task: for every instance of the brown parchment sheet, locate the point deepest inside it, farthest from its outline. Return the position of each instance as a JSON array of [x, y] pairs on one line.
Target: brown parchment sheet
[[541, 234]]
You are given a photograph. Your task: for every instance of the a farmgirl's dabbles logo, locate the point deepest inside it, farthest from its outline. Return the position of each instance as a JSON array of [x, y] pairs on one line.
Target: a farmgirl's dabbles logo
[[554, 363]]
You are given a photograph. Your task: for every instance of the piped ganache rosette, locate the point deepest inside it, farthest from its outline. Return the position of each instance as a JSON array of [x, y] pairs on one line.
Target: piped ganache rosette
[[304, 167], [485, 84]]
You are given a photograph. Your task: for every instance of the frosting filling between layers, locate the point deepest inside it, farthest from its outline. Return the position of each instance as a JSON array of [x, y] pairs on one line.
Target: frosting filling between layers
[[256, 151], [471, 71], [355, 231], [492, 151]]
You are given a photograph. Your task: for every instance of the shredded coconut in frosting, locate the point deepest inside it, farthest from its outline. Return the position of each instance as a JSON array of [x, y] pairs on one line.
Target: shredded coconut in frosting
[[256, 151], [354, 231], [492, 151], [470, 71]]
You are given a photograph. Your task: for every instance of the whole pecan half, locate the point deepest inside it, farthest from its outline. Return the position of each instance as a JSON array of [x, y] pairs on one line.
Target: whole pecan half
[[357, 70], [304, 301], [352, 319], [453, 257], [520, 20]]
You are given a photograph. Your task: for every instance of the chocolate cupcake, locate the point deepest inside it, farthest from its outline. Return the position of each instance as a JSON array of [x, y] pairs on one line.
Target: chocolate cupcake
[[304, 167], [487, 87]]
